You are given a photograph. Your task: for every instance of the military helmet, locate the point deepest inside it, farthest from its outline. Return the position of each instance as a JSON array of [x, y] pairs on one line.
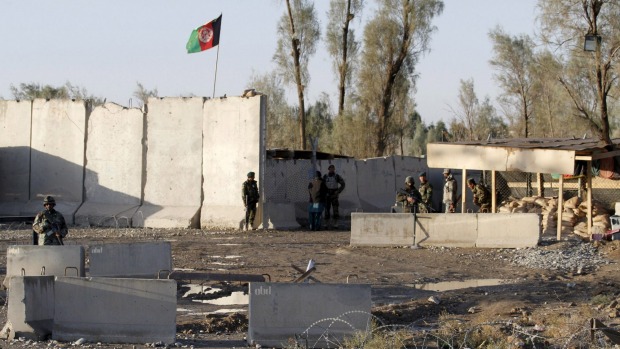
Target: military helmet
[[446, 171], [409, 179], [49, 200], [250, 174]]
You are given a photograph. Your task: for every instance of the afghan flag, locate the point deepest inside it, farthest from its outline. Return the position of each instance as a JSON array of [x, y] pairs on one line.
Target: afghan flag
[[205, 37]]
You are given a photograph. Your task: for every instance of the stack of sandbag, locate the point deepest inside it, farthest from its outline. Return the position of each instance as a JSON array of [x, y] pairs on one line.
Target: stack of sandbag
[[574, 214]]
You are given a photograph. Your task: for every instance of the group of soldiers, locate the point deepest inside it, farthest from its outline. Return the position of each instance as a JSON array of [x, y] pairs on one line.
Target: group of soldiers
[[419, 200]]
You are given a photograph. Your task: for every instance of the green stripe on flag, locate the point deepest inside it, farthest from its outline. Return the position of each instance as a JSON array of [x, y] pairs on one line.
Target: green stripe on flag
[[193, 45]]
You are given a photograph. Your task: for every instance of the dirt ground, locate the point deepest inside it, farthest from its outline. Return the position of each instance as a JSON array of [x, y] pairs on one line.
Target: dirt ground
[[402, 281]]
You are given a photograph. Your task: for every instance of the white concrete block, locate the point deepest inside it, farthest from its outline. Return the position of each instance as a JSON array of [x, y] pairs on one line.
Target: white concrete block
[[448, 230], [376, 184], [381, 229], [114, 154], [30, 311], [508, 230], [135, 260], [322, 313], [234, 129], [280, 216], [172, 192], [57, 160], [15, 125], [115, 310], [28, 260]]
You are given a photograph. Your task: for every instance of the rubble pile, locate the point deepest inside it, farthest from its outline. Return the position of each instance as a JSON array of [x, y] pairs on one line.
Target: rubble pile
[[576, 257], [573, 216]]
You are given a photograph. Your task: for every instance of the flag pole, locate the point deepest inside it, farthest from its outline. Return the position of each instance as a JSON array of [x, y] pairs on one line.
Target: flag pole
[[217, 58]]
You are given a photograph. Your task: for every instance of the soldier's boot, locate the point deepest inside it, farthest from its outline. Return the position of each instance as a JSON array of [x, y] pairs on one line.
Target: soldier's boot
[[335, 223], [252, 226], [245, 227]]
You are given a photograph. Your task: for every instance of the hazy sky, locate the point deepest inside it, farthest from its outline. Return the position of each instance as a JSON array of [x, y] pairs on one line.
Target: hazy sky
[[107, 46]]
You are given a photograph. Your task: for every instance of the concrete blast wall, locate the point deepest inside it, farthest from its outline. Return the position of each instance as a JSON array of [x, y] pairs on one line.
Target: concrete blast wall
[[322, 313], [376, 180], [30, 312], [57, 162], [232, 148], [15, 120], [24, 260], [115, 310], [449, 230], [172, 192], [135, 260], [113, 180]]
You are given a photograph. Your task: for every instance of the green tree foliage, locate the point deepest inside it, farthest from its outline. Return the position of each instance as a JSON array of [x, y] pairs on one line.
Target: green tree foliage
[[394, 39], [281, 121], [341, 43], [143, 94], [298, 34], [33, 90], [320, 121], [589, 78], [513, 59]]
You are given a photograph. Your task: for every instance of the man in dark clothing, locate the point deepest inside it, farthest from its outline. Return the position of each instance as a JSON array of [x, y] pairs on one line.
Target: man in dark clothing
[[250, 196], [335, 185]]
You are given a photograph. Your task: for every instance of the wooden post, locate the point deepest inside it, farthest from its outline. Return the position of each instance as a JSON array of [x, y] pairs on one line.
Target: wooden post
[[493, 192], [589, 196], [539, 183], [560, 206], [463, 190]]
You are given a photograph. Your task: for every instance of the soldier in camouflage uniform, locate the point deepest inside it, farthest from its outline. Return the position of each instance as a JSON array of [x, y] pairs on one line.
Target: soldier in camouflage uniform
[[49, 225], [250, 196], [409, 197], [426, 193], [450, 189], [482, 197]]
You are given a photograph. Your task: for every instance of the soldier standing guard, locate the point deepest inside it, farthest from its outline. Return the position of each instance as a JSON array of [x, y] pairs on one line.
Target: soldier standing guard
[[250, 196], [49, 227], [409, 197], [335, 186], [482, 197], [426, 194], [449, 191]]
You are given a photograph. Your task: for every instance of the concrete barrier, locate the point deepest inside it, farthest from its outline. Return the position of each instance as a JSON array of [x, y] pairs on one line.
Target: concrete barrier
[[321, 313], [30, 311], [234, 144], [376, 184], [115, 310], [449, 230], [135, 260], [15, 118], [114, 158], [172, 191], [28, 260], [57, 160]]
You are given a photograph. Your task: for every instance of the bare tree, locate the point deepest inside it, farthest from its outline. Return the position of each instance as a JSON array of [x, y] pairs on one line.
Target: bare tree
[[513, 59], [298, 33], [393, 42], [341, 43], [143, 94], [564, 23]]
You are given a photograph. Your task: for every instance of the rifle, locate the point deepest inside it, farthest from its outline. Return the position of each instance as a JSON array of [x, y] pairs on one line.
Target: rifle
[[417, 199], [56, 232]]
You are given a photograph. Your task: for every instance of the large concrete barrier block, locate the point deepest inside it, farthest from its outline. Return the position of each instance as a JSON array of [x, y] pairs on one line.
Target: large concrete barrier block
[[57, 160], [114, 158], [115, 310], [508, 230], [234, 129], [448, 230], [376, 182], [280, 216], [155, 216], [135, 260], [381, 229], [25, 260], [15, 122], [30, 307], [322, 313]]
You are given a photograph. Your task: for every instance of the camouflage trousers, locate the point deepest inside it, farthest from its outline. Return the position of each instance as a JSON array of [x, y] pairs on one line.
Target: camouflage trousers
[[332, 202], [484, 208], [250, 214]]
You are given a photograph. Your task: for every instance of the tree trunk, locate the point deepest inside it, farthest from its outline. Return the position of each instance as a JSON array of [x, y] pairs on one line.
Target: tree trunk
[[344, 63], [300, 86]]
